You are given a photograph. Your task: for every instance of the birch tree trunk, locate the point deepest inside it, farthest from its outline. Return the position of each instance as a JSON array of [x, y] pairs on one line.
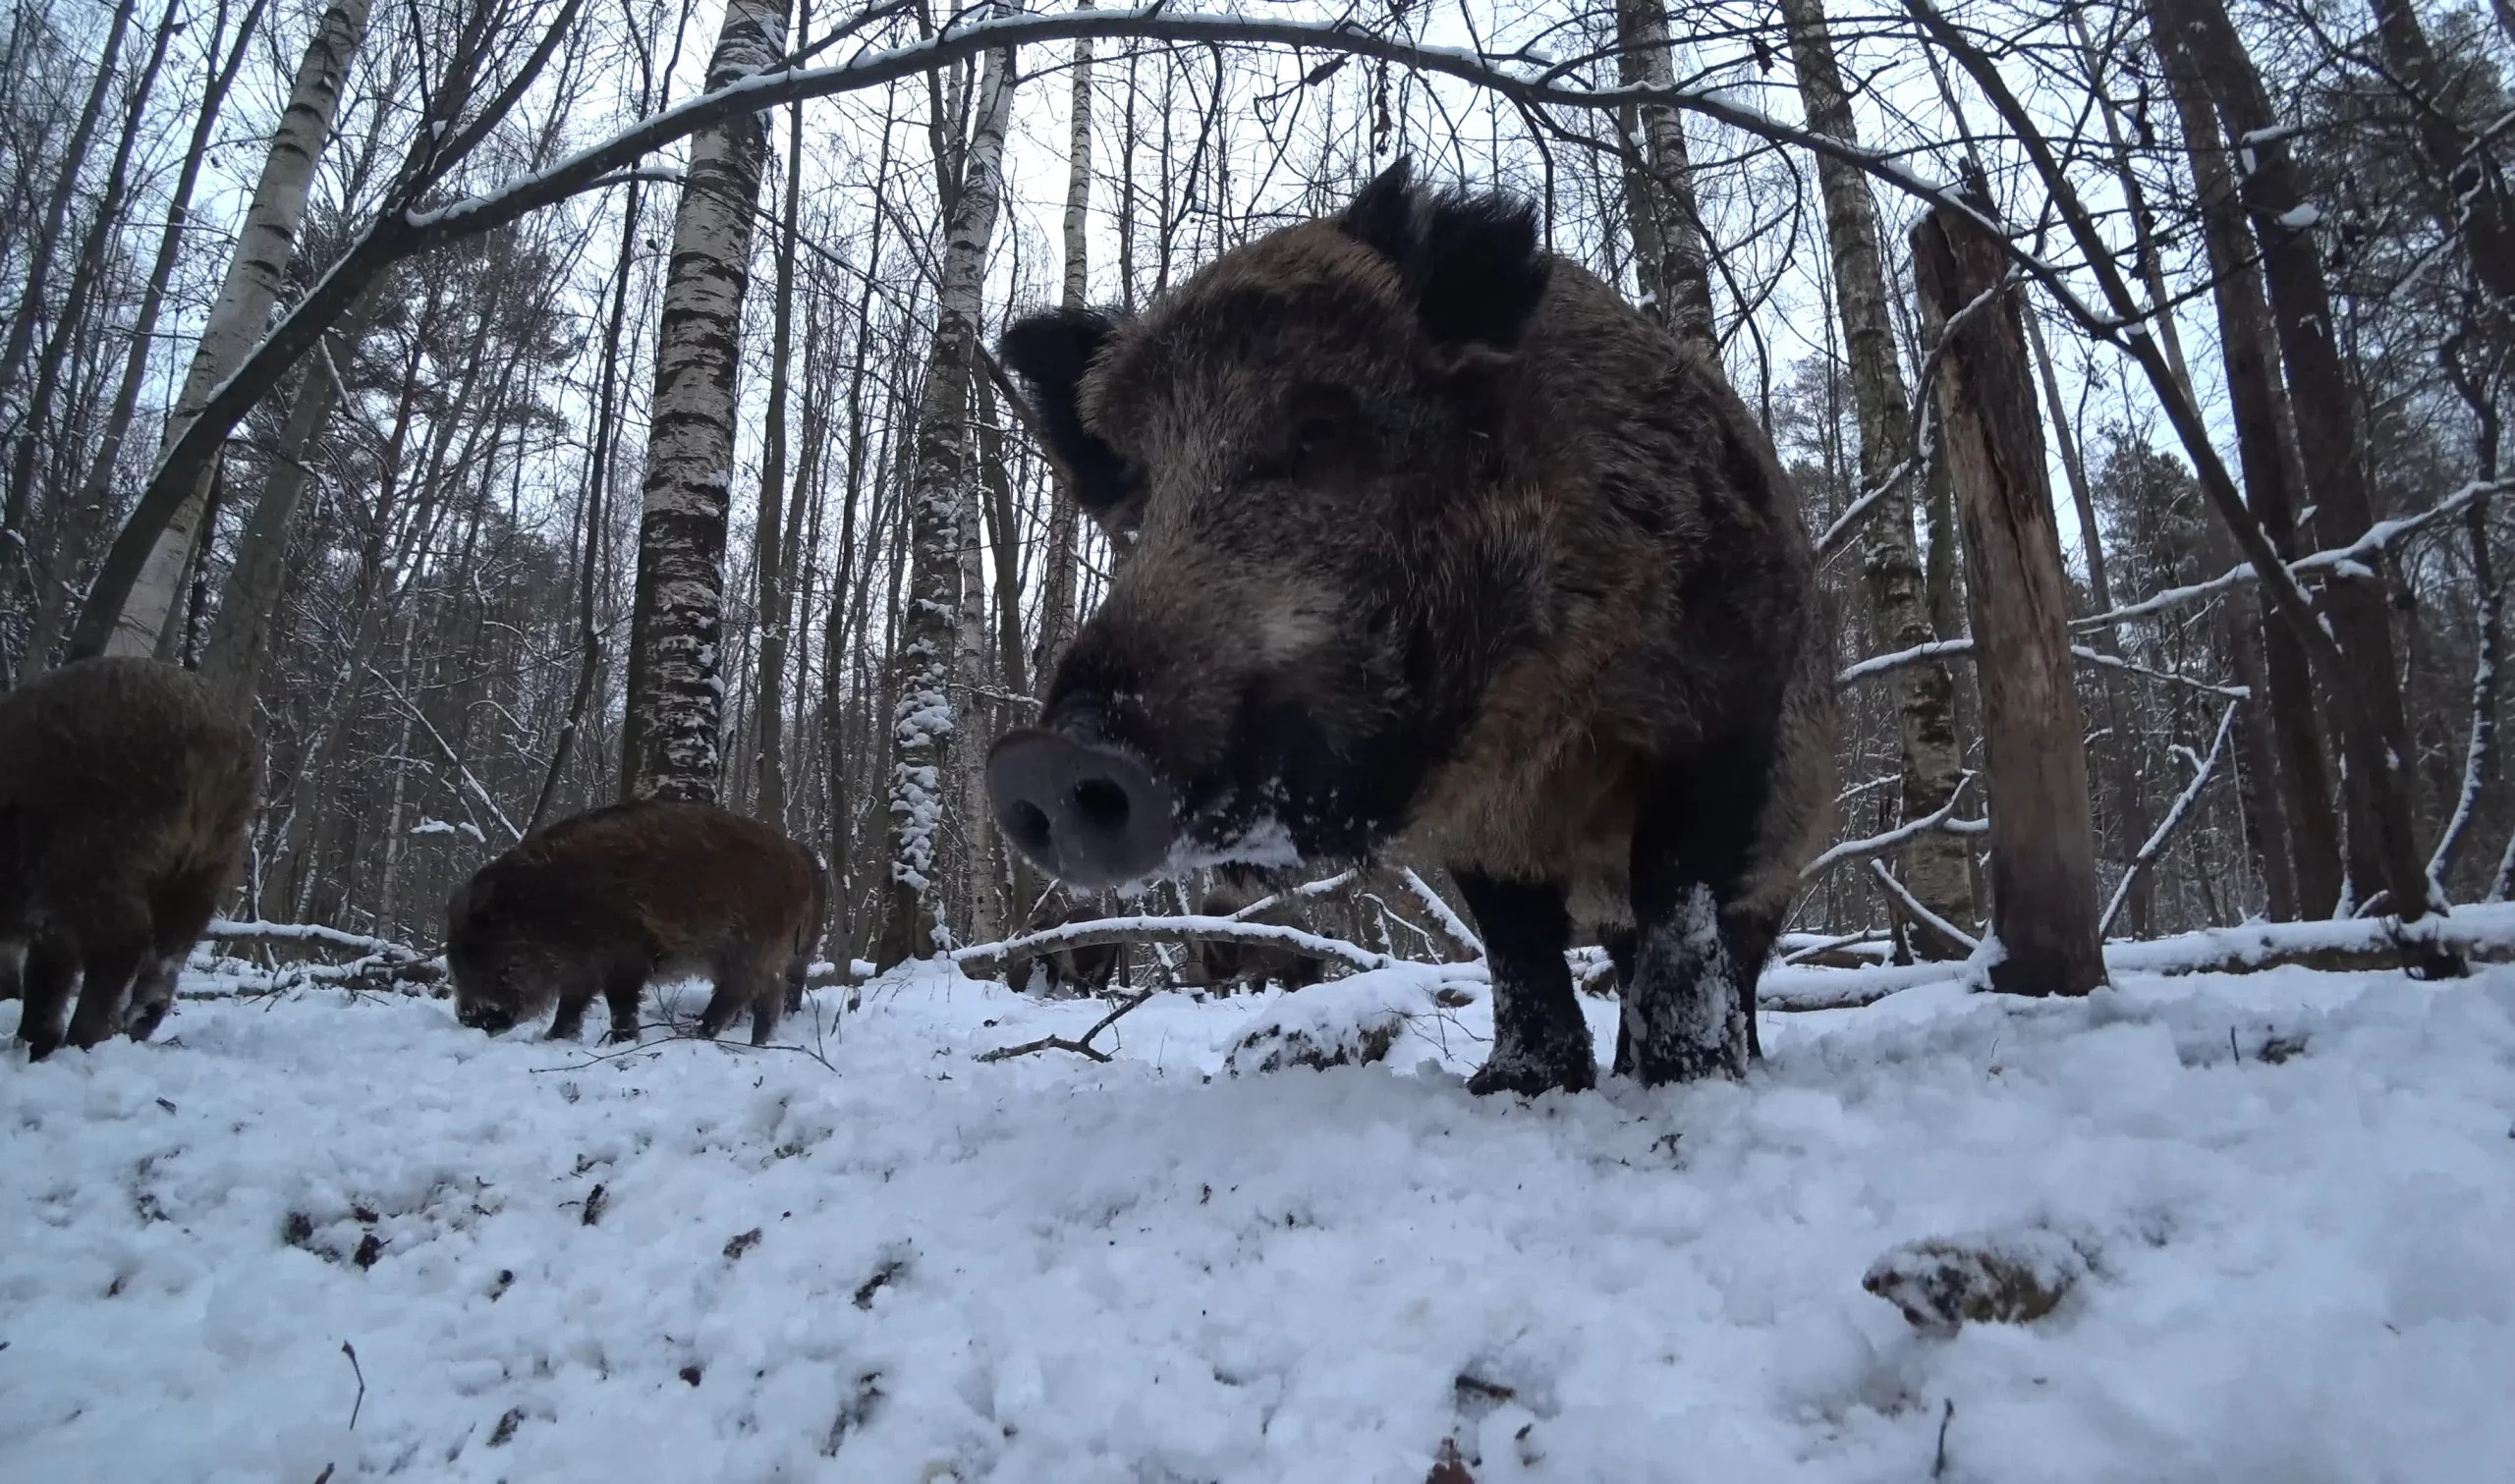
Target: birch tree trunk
[[143, 326], [942, 510], [672, 747], [1065, 525], [2043, 903], [1667, 223], [1934, 865], [148, 619]]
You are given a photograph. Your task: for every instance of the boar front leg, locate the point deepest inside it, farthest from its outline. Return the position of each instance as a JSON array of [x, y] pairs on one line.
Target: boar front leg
[[622, 988], [1690, 991], [47, 972], [1540, 1040]]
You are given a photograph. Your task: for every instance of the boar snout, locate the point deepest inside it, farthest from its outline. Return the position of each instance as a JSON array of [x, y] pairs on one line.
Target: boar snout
[[493, 1019], [1088, 814]]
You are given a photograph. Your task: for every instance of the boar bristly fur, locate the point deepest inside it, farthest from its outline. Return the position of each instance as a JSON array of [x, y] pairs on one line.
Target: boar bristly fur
[[607, 900], [1427, 536], [125, 792], [1221, 966]]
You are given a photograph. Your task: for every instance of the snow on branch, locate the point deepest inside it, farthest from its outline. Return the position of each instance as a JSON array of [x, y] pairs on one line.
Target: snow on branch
[[2349, 560], [1913, 905], [983, 957], [1877, 845], [1923, 415], [1451, 922], [1937, 649], [232, 930], [2175, 817], [1320, 888]]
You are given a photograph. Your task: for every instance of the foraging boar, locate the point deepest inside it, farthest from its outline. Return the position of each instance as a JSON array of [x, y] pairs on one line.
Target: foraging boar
[[1221, 966], [1429, 538], [1083, 971], [618, 896], [124, 795]]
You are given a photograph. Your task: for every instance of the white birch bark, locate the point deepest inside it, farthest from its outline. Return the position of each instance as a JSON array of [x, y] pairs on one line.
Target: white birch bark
[[1934, 865], [1676, 272], [942, 512], [149, 619], [673, 742]]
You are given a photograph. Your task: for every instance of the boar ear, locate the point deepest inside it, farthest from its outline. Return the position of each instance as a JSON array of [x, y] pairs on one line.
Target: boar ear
[[1471, 259], [1051, 352]]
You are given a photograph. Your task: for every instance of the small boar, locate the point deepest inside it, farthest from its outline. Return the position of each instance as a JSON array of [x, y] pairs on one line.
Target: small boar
[[1429, 540], [1221, 966], [615, 897], [1084, 970], [125, 791]]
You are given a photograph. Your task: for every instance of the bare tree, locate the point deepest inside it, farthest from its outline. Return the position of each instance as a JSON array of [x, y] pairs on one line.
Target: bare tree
[[942, 512], [147, 622], [672, 743], [1935, 866], [2043, 908]]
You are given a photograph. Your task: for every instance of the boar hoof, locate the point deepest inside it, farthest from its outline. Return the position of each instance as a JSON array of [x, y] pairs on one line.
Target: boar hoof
[[1529, 1075]]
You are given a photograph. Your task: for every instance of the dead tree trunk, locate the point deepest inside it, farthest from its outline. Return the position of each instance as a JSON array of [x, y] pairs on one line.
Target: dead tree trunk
[[1934, 865], [2043, 903], [148, 619], [941, 511], [672, 748]]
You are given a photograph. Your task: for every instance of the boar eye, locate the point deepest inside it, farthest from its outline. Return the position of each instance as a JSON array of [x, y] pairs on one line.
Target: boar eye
[[1318, 436]]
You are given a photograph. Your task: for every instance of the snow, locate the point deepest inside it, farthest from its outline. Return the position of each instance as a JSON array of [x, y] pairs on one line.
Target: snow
[[2284, 1198]]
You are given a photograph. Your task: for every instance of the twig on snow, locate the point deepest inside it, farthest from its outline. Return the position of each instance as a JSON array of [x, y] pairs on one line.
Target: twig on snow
[[1061, 1043], [351, 1351]]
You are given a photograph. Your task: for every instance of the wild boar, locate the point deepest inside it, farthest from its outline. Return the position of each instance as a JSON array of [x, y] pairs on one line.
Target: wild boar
[[615, 897], [1429, 540], [1221, 966], [1084, 970], [125, 791]]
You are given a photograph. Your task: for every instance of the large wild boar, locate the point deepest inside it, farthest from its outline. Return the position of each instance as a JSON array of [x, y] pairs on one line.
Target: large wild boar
[[124, 796], [1221, 965], [607, 900], [1428, 537]]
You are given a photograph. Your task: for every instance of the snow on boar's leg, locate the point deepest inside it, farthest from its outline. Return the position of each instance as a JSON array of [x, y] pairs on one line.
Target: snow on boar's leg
[[607, 900], [124, 796], [1428, 536]]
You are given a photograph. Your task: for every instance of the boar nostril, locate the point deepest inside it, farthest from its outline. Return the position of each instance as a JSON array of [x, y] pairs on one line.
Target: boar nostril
[[1028, 824], [1103, 804]]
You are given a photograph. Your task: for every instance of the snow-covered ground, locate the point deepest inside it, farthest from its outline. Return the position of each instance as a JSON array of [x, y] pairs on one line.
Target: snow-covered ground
[[885, 1260]]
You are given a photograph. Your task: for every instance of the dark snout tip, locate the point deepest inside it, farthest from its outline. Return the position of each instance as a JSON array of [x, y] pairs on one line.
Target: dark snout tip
[[486, 1019], [1088, 814]]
